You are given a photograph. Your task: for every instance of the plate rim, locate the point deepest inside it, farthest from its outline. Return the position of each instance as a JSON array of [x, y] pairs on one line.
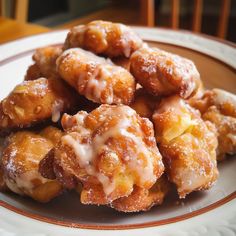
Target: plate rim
[[149, 224]]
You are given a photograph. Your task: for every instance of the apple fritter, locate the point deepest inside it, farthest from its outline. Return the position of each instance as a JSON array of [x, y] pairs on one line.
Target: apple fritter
[[188, 145], [20, 161], [110, 150], [219, 107], [98, 79], [162, 73], [35, 101], [105, 38], [45, 63]]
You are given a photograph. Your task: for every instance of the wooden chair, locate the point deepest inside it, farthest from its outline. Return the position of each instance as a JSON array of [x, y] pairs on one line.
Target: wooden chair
[[148, 15], [19, 10]]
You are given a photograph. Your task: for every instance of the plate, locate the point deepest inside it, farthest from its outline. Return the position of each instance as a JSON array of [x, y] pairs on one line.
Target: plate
[[201, 213]]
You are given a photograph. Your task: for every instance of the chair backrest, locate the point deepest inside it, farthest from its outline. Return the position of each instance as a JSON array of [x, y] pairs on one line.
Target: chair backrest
[[148, 15], [19, 9]]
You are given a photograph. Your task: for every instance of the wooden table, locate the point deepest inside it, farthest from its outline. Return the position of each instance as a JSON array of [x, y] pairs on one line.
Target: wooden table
[[11, 29]]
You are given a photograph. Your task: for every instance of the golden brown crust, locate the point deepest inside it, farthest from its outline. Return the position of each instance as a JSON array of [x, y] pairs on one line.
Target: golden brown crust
[[144, 104], [109, 150], [143, 199], [99, 80], [219, 107], [3, 186], [162, 73], [226, 131], [35, 101], [103, 37], [20, 161], [33, 72], [45, 63], [188, 145]]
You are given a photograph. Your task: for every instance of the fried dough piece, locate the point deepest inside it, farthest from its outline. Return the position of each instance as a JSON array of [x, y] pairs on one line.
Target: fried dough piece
[[20, 161], [143, 199], [109, 150], [223, 100], [226, 130], [103, 37], [162, 73], [45, 63], [144, 104], [35, 101], [188, 145], [219, 107], [99, 80]]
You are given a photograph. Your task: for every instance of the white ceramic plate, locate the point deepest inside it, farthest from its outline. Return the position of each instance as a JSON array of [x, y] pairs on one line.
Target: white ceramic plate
[[210, 212]]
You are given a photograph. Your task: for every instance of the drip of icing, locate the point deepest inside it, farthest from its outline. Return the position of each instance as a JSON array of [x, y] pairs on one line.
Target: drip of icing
[[127, 48], [125, 41], [95, 85], [57, 107], [146, 173], [83, 151]]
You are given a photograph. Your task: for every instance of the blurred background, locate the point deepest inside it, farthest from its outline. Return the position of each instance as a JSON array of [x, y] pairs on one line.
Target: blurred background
[[213, 17]]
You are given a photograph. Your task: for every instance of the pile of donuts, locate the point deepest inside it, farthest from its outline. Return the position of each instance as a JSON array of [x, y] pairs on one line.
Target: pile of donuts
[[115, 120]]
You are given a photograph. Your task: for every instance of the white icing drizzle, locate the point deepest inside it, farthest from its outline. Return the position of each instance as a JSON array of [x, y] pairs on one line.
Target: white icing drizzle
[[126, 39], [86, 153], [95, 86], [57, 107], [146, 173], [83, 151], [126, 48]]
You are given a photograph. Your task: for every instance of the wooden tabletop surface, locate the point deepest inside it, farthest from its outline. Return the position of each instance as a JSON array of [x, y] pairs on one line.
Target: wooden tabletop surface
[[11, 29]]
